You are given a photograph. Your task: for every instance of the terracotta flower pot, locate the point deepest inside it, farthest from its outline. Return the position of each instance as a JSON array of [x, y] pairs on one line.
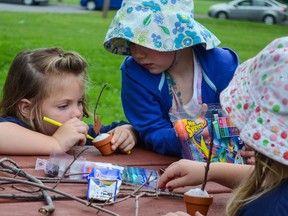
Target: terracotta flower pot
[[200, 204], [103, 144]]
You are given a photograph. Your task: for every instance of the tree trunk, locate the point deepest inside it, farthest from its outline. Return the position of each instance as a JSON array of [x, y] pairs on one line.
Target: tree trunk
[[106, 8]]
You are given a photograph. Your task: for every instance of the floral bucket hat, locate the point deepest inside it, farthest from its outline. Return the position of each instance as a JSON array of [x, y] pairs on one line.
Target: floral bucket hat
[[256, 100], [162, 25]]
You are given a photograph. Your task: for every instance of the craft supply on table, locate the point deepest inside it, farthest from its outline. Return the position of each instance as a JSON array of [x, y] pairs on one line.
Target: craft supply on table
[[194, 133], [103, 184]]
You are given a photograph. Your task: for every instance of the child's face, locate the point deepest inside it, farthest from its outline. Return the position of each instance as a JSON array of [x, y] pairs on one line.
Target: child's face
[[156, 62], [64, 103]]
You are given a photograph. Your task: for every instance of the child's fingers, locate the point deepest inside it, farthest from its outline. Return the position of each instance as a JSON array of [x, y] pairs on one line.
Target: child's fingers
[[204, 109], [122, 140], [127, 148]]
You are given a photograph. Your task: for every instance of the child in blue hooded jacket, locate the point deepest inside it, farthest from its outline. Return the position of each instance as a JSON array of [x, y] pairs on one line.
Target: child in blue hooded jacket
[[173, 62]]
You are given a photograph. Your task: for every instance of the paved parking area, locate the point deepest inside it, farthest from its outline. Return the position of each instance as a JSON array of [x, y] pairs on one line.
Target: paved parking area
[[52, 8], [58, 8]]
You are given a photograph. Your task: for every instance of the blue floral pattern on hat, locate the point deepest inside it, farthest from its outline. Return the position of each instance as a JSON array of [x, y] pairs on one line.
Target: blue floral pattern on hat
[[165, 25]]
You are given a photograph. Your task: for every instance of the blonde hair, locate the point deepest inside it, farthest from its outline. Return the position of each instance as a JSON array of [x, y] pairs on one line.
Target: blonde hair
[[28, 77], [267, 175]]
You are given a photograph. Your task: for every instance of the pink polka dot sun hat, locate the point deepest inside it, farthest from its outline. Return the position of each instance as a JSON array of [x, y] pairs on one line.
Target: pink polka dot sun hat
[[256, 100], [162, 25]]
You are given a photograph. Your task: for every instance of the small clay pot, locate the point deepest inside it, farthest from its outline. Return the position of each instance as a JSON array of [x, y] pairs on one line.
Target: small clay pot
[[103, 143], [200, 204]]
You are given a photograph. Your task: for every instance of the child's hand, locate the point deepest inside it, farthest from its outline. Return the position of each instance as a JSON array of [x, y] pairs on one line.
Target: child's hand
[[249, 154], [124, 138], [203, 110], [182, 173], [71, 132]]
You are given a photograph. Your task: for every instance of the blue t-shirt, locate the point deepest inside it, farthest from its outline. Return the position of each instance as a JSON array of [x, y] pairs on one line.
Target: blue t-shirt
[[274, 203], [91, 132]]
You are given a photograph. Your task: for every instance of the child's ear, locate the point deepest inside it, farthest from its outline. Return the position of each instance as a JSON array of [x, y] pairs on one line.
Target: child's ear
[[24, 107]]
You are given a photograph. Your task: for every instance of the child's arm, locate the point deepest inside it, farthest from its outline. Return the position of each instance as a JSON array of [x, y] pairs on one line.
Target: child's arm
[[186, 172], [17, 140]]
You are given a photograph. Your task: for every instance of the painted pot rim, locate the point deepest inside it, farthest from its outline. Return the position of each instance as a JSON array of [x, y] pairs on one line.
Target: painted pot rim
[[198, 200], [103, 141], [104, 145]]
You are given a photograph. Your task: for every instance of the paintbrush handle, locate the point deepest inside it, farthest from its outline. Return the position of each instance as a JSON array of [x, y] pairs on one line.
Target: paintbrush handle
[[56, 123]]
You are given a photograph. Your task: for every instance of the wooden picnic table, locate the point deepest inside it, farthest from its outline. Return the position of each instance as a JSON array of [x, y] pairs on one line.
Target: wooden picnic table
[[146, 205]]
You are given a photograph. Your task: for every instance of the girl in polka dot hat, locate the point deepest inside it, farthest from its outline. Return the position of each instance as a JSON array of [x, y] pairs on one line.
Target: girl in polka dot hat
[[256, 101]]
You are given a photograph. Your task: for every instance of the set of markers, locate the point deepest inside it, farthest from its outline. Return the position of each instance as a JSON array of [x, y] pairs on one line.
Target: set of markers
[[195, 132], [223, 127]]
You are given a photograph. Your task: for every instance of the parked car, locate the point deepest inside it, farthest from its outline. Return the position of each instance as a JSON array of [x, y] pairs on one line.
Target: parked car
[[26, 2], [98, 4], [267, 11]]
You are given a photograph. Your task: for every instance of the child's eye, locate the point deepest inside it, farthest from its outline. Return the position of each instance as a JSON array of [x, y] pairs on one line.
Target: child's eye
[[80, 102], [62, 107]]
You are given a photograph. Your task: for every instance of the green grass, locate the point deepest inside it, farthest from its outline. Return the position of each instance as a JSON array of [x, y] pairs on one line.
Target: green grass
[[85, 33], [81, 32], [201, 6]]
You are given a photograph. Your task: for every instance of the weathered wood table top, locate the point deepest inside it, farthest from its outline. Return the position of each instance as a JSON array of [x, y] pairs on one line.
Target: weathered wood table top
[[147, 205]]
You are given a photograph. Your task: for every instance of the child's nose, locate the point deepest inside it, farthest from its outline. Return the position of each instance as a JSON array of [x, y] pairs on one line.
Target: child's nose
[[78, 112], [139, 53]]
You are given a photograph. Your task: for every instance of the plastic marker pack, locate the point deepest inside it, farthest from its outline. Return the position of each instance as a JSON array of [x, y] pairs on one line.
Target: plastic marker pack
[[195, 136]]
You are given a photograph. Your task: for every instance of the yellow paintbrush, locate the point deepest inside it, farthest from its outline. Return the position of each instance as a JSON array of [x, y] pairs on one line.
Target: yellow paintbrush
[[56, 123]]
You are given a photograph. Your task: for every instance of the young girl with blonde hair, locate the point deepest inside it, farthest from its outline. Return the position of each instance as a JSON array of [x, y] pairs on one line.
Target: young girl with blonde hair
[[50, 82]]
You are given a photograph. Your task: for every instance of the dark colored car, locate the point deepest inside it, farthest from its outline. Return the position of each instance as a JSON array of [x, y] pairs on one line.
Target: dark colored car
[[267, 11], [98, 4], [26, 2]]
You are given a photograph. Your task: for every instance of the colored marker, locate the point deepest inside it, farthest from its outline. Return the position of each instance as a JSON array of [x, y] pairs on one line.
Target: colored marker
[[56, 123], [216, 129]]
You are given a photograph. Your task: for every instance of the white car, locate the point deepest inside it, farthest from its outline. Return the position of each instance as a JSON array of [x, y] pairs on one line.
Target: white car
[[267, 11], [26, 2]]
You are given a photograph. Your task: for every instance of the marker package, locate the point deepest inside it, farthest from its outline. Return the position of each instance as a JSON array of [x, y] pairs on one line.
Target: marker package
[[195, 134]]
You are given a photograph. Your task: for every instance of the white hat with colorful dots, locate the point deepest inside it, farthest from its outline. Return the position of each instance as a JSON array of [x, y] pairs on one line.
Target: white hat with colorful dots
[[256, 100]]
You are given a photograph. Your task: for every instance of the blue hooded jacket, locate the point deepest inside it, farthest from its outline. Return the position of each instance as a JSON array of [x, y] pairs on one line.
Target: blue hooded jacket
[[146, 100]]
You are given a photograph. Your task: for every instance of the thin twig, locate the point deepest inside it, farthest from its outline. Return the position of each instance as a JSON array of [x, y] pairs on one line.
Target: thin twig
[[137, 203], [30, 196], [25, 191], [98, 99], [49, 208], [155, 193], [211, 144], [74, 181], [66, 170]]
